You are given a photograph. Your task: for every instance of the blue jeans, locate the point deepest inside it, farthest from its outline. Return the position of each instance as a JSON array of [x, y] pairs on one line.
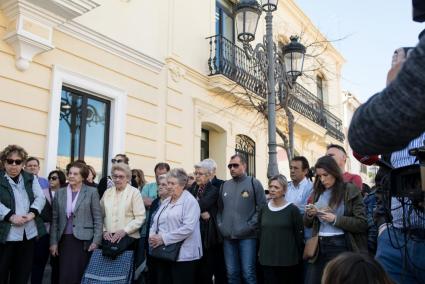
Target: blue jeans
[[240, 255], [402, 265]]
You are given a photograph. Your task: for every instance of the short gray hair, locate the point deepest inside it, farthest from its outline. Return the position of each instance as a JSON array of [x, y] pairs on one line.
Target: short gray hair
[[123, 168], [180, 174], [160, 177], [211, 164], [281, 179], [207, 164]]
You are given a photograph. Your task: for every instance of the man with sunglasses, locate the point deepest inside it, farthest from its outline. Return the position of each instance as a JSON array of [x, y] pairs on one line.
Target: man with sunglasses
[[21, 202], [239, 201]]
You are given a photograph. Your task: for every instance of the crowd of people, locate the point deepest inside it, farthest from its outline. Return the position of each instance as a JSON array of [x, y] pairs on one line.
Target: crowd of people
[[208, 231]]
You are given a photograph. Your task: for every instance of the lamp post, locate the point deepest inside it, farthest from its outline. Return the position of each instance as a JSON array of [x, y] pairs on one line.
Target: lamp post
[[280, 74]]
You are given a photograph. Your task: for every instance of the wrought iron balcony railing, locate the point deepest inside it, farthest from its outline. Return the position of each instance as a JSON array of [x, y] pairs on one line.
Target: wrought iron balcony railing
[[231, 61]]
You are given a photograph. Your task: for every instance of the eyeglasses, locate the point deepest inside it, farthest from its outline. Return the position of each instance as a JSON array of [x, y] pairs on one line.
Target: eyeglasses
[[118, 177], [53, 178], [13, 162], [191, 177], [230, 166], [117, 161], [200, 174]]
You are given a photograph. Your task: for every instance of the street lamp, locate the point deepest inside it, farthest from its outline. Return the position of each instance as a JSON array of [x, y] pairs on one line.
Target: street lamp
[[270, 60]]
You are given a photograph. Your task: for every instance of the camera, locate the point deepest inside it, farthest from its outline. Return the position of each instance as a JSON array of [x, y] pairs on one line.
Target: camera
[[409, 182]]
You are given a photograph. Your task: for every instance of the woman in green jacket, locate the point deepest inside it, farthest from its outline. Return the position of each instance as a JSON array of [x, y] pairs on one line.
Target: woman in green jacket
[[337, 217]]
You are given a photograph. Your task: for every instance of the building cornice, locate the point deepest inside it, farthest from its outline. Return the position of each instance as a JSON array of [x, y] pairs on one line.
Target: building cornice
[[31, 23], [112, 46]]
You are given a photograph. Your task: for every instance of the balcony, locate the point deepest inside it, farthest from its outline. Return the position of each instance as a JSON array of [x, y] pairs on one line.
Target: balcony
[[231, 61]]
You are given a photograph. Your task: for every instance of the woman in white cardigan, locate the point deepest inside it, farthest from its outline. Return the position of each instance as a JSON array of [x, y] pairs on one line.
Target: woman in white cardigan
[[176, 220]]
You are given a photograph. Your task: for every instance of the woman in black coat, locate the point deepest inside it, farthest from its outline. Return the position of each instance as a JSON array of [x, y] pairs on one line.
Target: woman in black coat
[[212, 262]]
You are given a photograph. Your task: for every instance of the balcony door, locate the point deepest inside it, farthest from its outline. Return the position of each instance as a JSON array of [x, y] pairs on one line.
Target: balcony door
[[83, 130], [225, 36]]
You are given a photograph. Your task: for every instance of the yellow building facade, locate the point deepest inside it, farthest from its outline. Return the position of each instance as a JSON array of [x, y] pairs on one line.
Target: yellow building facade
[[89, 79]]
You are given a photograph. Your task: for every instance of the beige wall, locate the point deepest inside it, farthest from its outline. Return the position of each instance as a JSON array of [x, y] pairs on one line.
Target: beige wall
[[166, 107]]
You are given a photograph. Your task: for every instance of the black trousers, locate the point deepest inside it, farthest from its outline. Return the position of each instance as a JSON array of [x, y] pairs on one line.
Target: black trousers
[[211, 264], [329, 248], [16, 261], [41, 256], [283, 274], [152, 269], [176, 272]]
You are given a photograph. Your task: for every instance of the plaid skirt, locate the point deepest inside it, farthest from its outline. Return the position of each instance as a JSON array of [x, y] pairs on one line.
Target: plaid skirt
[[102, 269]]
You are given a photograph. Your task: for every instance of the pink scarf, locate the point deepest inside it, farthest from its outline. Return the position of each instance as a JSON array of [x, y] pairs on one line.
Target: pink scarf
[[70, 204]]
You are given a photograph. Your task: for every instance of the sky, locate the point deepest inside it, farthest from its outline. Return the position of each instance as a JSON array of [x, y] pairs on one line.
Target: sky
[[372, 30]]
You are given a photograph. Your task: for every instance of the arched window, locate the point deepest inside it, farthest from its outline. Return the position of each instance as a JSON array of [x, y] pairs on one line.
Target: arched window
[[245, 146]]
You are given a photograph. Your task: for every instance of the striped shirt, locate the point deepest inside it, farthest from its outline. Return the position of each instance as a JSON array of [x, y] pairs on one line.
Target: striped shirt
[[401, 159]]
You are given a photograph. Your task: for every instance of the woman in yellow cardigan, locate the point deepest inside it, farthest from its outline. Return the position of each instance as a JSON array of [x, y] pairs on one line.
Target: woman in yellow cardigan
[[122, 207]]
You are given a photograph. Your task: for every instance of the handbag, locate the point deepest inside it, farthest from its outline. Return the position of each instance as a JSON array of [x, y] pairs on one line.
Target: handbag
[[113, 250], [166, 252], [311, 247]]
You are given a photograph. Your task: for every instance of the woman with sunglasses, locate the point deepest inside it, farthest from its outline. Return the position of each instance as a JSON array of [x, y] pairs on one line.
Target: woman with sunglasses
[[21, 202], [90, 181], [337, 217], [139, 177], [56, 180]]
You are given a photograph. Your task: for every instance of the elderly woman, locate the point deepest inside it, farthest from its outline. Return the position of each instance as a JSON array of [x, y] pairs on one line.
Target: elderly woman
[[122, 207], [207, 195], [337, 217], [76, 227], [281, 236], [177, 220], [56, 180], [21, 202], [163, 194]]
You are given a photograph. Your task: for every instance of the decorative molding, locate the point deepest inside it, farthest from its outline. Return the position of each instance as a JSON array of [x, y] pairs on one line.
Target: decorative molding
[[26, 46], [190, 73], [67, 9], [177, 73], [118, 98], [96, 39], [31, 24]]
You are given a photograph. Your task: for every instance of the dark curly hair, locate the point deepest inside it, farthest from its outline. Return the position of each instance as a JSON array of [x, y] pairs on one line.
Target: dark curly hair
[[10, 149]]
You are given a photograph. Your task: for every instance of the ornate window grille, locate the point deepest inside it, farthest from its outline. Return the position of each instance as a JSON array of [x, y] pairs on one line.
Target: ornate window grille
[[245, 146]]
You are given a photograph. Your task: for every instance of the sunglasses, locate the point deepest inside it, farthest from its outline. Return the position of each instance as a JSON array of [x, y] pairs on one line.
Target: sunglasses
[[116, 161], [13, 162], [134, 176], [230, 166], [53, 178]]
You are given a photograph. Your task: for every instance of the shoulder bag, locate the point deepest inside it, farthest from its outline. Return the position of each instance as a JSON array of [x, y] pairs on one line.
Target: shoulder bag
[[166, 252]]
